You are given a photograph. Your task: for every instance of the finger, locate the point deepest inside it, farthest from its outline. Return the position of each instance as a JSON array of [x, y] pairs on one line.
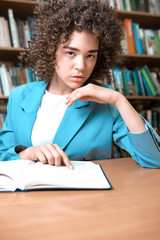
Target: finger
[[81, 94], [53, 157], [40, 156], [64, 156], [45, 155], [70, 96]]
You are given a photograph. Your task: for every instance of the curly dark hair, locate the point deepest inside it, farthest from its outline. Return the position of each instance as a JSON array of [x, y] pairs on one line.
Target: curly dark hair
[[55, 22]]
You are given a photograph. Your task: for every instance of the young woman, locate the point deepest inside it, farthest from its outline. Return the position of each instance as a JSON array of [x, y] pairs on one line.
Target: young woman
[[67, 115]]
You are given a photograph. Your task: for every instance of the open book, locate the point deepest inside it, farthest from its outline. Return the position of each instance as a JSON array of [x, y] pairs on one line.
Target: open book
[[29, 175]]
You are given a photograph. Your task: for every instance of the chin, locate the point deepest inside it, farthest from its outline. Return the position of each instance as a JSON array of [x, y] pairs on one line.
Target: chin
[[76, 85]]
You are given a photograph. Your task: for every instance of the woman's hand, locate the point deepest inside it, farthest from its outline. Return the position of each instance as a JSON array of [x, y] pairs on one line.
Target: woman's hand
[[91, 92], [48, 153], [94, 93]]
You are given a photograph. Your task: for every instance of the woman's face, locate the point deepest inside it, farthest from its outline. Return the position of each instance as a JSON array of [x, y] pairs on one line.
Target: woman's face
[[75, 61]]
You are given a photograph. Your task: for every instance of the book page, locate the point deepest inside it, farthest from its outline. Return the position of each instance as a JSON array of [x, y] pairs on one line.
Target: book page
[[11, 171], [85, 175]]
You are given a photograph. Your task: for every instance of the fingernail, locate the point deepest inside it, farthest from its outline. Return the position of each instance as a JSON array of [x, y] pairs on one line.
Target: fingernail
[[71, 167]]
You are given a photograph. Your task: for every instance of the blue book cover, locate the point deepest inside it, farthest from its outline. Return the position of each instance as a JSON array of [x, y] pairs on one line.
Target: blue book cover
[[147, 90], [140, 83], [137, 38], [30, 74], [129, 82], [117, 74]]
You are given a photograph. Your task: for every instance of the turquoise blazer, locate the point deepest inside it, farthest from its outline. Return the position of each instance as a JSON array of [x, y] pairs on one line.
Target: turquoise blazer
[[85, 132]]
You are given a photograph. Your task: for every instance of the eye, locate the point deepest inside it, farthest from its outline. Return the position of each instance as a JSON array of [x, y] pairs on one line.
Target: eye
[[91, 56], [70, 53]]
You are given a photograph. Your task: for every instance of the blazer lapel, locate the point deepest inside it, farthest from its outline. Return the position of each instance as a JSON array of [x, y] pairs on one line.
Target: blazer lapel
[[30, 106], [73, 119]]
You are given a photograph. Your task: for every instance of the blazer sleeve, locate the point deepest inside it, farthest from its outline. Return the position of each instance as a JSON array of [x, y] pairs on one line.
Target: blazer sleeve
[[143, 147], [7, 136]]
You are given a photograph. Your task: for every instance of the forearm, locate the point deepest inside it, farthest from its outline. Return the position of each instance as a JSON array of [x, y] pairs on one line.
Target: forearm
[[132, 119]]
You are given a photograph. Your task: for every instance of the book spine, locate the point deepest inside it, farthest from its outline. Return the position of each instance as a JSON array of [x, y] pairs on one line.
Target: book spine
[[140, 83], [150, 41], [148, 82], [124, 7], [142, 36], [129, 82], [4, 80], [128, 5], [153, 6], [7, 34], [111, 3], [156, 82], [142, 5], [156, 119], [136, 83], [118, 4], [2, 39], [133, 5], [126, 91], [13, 29], [118, 80], [150, 77], [124, 42], [157, 42], [147, 90], [138, 41], [130, 36]]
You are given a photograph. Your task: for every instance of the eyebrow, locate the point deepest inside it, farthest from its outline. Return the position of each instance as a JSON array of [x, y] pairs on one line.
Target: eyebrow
[[76, 49]]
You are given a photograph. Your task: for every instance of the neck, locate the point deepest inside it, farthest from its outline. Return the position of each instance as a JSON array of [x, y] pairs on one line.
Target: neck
[[58, 87]]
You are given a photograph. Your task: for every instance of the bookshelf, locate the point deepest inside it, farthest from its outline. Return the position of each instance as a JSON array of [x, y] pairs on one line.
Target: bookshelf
[[145, 19], [24, 8]]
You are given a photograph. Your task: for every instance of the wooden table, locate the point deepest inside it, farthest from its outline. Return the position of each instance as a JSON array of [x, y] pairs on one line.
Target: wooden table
[[131, 210]]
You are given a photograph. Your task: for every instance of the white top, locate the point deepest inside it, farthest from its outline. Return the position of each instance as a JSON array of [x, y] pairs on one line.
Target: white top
[[49, 116]]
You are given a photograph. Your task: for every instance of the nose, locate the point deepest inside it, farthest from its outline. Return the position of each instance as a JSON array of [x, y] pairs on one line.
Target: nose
[[80, 63]]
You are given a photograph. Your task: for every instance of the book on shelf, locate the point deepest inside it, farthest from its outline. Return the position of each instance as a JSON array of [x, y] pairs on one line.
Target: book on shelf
[[129, 83], [5, 40], [156, 79], [128, 24], [153, 117], [5, 80], [13, 28], [25, 175], [2, 118], [140, 86], [142, 37], [140, 40], [137, 38], [147, 78], [141, 82], [117, 74], [125, 84], [124, 42], [156, 119], [13, 75], [152, 6], [142, 5], [14, 31], [157, 41], [150, 42]]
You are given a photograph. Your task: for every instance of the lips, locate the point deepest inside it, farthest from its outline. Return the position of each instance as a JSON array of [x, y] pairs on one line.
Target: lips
[[78, 76]]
